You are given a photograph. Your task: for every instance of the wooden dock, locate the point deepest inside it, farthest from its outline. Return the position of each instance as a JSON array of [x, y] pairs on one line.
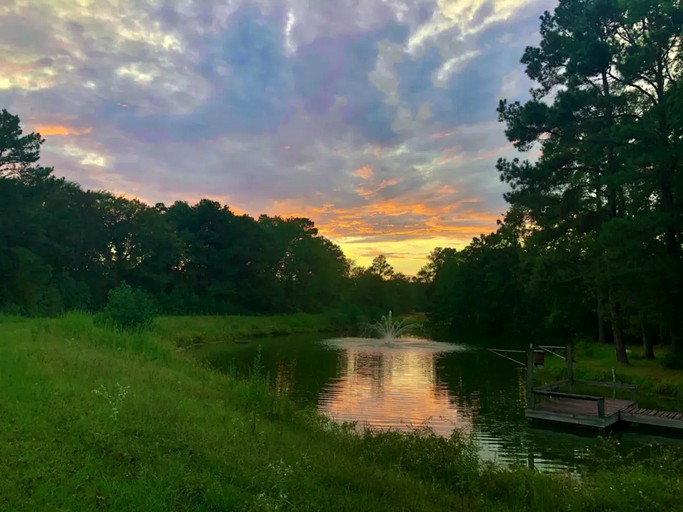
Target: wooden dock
[[547, 403], [667, 419], [579, 410], [599, 413]]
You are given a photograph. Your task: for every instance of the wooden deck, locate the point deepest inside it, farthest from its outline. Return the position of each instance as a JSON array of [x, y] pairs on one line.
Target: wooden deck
[[579, 410], [597, 412], [667, 419], [547, 403]]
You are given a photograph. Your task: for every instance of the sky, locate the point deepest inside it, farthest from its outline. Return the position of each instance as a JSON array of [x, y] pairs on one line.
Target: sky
[[374, 118]]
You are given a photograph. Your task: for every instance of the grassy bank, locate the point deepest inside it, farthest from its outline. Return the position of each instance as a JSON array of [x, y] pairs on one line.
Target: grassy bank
[[656, 384], [184, 331], [98, 419]]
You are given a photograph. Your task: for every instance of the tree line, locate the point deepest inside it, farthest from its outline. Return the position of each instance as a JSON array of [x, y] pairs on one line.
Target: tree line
[[592, 239], [62, 248], [591, 242]]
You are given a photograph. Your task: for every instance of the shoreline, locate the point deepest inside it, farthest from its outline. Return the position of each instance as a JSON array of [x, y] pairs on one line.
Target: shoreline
[[96, 418]]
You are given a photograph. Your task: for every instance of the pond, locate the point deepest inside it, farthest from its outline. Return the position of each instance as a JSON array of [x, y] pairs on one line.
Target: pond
[[402, 385]]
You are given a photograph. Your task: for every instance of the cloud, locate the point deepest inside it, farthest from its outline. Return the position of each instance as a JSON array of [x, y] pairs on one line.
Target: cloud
[[376, 118], [366, 172], [47, 130]]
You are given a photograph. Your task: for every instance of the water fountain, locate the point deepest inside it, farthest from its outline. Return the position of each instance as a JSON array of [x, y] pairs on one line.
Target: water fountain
[[392, 335], [387, 329], [388, 380]]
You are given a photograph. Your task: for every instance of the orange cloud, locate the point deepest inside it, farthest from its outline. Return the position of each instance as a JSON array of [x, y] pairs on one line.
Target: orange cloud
[[366, 172], [132, 197], [452, 149], [57, 129], [407, 228], [368, 191], [442, 135], [446, 189]]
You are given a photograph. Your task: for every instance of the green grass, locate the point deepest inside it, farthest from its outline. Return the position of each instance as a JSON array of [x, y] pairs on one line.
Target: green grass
[[187, 331], [100, 419]]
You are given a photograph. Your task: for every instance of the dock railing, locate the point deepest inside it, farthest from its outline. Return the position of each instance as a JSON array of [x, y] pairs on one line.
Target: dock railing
[[552, 386], [611, 385]]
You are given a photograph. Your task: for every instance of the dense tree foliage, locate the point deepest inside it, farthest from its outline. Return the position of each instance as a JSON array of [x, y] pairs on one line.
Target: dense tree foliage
[[62, 248], [591, 242], [593, 236]]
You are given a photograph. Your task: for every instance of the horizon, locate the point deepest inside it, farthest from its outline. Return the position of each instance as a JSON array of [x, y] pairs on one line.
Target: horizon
[[377, 122]]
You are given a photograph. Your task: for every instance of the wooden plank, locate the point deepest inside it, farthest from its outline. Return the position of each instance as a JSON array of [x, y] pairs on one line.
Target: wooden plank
[[583, 407], [657, 421], [592, 421]]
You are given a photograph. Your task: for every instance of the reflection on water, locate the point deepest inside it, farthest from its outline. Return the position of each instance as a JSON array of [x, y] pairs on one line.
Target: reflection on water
[[391, 385], [403, 384]]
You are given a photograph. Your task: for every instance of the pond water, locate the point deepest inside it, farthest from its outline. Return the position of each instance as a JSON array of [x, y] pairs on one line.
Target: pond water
[[402, 385]]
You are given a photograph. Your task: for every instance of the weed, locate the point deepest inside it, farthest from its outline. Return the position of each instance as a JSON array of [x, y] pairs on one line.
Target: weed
[[113, 397]]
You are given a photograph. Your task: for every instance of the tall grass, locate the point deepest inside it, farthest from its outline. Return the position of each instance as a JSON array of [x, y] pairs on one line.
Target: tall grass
[[94, 418]]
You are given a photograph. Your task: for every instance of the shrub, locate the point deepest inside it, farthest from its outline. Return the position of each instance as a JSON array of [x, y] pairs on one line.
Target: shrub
[[128, 308], [673, 360]]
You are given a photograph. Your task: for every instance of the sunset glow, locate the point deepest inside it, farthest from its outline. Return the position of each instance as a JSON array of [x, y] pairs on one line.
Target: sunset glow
[[375, 119], [386, 389]]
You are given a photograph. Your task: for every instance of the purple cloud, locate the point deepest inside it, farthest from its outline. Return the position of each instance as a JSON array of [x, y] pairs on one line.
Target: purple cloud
[[271, 105]]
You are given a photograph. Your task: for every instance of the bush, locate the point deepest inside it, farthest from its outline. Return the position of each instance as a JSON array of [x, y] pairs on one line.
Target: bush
[[673, 360], [128, 308]]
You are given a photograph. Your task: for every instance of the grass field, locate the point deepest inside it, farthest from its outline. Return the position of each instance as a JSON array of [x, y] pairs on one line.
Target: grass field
[[98, 419]]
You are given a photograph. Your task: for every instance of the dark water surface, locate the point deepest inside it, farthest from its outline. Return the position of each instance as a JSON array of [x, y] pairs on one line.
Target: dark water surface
[[403, 385]]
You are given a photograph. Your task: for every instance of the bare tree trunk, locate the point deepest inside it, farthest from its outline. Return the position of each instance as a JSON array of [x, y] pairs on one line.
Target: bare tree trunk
[[619, 345], [648, 348]]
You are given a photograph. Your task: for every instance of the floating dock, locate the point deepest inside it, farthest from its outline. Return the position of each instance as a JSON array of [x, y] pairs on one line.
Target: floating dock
[[547, 403], [599, 412], [652, 417], [579, 410]]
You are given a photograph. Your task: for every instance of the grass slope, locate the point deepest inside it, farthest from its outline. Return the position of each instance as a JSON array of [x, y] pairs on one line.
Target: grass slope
[[186, 331], [94, 419]]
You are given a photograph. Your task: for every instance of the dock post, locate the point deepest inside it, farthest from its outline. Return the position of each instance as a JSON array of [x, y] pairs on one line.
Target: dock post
[[601, 407], [530, 377], [570, 367]]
